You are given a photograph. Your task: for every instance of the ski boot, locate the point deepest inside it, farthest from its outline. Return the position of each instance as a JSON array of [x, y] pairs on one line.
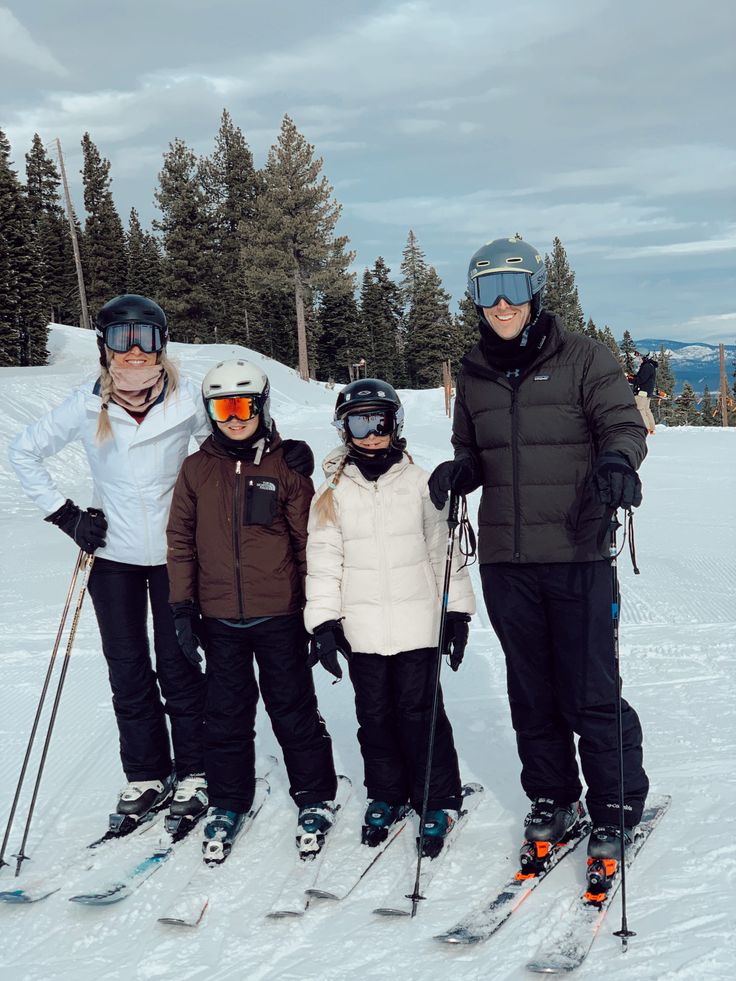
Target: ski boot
[[139, 800], [604, 855], [546, 826], [379, 818], [313, 824], [188, 805], [220, 830], [437, 826]]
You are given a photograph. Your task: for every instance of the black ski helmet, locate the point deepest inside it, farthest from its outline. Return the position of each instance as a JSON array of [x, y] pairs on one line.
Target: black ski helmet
[[129, 308], [369, 393]]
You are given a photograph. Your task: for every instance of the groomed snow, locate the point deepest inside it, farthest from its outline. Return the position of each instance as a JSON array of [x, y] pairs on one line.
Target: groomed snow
[[678, 661]]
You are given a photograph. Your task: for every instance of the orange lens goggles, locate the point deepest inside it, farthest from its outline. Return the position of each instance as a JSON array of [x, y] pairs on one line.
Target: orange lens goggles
[[242, 407]]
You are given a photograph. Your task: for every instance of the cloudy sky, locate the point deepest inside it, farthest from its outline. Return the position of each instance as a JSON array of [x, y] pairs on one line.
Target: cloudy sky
[[609, 123]]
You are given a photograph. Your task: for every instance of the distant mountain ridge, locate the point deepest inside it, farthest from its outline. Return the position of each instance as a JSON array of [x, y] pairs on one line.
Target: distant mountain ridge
[[692, 362]]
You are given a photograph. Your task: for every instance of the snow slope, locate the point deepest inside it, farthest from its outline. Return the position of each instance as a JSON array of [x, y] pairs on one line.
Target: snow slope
[[678, 653]]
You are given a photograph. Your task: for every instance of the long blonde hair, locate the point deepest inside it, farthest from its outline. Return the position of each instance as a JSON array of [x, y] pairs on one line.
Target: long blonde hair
[[324, 506], [104, 427]]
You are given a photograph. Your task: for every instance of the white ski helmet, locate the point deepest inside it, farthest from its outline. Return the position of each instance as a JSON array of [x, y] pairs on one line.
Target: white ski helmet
[[239, 377]]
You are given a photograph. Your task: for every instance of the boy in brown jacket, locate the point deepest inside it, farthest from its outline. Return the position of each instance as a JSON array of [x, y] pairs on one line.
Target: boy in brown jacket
[[237, 563]]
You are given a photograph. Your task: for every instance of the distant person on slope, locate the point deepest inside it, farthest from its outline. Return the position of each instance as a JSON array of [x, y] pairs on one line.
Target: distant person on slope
[[375, 558], [237, 538], [545, 422], [134, 422], [644, 384]]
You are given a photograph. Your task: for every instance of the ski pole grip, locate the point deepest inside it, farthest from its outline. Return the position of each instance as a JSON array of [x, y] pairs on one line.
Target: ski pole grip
[[452, 520]]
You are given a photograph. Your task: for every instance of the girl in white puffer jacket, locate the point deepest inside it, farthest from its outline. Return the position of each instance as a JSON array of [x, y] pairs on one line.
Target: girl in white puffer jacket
[[375, 571]]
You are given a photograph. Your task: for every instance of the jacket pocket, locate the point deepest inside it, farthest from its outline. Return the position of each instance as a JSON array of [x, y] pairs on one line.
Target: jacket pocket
[[261, 501]]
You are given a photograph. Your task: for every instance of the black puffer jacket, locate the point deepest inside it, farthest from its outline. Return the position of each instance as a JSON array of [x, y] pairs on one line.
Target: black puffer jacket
[[646, 377], [537, 444]]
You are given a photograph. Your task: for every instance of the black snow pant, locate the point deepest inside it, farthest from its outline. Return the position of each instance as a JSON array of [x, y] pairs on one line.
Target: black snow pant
[[287, 686], [121, 593], [393, 703], [554, 624]]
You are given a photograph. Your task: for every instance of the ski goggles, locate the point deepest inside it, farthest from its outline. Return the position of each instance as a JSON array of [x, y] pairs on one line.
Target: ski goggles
[[380, 422], [490, 287], [242, 407], [150, 338]]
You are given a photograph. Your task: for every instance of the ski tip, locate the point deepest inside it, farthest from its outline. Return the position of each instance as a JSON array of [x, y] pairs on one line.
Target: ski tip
[[283, 914], [561, 966], [175, 921], [456, 938], [391, 911], [94, 900], [320, 893]]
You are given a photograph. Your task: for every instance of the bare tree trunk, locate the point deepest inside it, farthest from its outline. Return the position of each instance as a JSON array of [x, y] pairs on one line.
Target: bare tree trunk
[[301, 327], [75, 244], [724, 387]]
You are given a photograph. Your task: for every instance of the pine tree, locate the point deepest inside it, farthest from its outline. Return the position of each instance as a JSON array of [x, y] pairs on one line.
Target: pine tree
[[103, 241], [707, 409], [466, 333], [607, 338], [230, 183], [58, 281], [591, 330], [23, 329], [339, 335], [413, 270], [631, 366], [380, 317], [144, 260], [561, 293], [186, 280], [294, 244], [430, 333], [686, 405]]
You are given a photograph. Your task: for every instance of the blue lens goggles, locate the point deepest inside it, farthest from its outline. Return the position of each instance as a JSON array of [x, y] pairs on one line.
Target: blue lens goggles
[[361, 425], [122, 337], [490, 287]]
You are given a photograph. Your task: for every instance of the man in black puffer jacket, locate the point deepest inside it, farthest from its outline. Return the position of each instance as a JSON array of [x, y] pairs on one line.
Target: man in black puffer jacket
[[546, 423]]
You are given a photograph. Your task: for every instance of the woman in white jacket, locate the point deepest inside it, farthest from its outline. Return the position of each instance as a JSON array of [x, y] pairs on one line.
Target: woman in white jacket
[[375, 571], [135, 423]]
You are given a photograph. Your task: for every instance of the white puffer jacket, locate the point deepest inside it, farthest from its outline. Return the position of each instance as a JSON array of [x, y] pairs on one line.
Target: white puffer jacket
[[133, 472], [382, 566]]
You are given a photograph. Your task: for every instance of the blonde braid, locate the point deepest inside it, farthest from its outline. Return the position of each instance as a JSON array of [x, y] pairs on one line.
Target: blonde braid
[[324, 506]]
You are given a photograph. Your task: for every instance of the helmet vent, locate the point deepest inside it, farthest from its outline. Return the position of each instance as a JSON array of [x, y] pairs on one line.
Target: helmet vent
[[514, 258], [482, 262]]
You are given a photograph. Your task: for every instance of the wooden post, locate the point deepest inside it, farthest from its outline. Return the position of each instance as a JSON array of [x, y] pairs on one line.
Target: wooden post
[[724, 387], [447, 385], [75, 243]]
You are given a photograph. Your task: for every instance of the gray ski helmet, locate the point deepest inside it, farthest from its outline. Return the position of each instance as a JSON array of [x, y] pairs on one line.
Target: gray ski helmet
[[495, 272], [129, 308], [239, 377], [364, 394]]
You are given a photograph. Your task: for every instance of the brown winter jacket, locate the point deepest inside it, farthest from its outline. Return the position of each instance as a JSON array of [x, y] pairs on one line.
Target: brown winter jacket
[[537, 444], [237, 534]]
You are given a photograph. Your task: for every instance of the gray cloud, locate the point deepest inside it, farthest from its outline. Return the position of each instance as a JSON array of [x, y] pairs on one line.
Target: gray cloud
[[603, 123]]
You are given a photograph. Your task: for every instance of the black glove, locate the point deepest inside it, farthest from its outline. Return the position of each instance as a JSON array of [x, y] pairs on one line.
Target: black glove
[[328, 640], [298, 456], [188, 624], [617, 484], [86, 528], [460, 475], [455, 638]]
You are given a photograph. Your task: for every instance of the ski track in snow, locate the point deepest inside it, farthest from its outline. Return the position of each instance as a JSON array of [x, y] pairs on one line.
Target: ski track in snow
[[678, 661]]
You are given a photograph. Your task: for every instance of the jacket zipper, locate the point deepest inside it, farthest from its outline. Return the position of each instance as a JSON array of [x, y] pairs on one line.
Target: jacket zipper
[[236, 538], [515, 472], [384, 565]]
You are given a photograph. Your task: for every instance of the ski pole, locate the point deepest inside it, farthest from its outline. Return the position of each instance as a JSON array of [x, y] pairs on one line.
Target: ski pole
[[39, 708], [624, 933], [86, 562], [452, 522]]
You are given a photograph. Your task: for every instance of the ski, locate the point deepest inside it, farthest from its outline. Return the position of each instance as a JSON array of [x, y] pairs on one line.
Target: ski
[[482, 923], [399, 903], [34, 889], [193, 900], [293, 897], [569, 943], [119, 888], [346, 866]]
